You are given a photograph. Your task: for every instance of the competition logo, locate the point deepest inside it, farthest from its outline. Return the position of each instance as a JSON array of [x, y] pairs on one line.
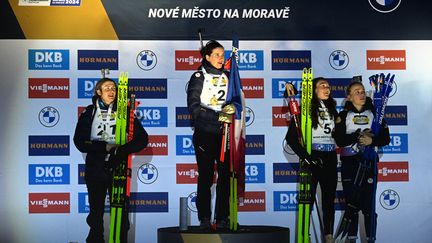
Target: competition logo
[[280, 116], [187, 60], [49, 116], [48, 59], [43, 174], [255, 173], [49, 203], [192, 202], [184, 145], [339, 60], [384, 6], [146, 60], [250, 116], [253, 202], [186, 173], [291, 60], [285, 172], [253, 87], [386, 59], [389, 199], [48, 88], [147, 173], [146, 202], [285, 200], [255, 144], [393, 171]]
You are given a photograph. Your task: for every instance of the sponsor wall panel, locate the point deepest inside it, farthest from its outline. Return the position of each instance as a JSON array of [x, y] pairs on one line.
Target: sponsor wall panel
[[44, 167]]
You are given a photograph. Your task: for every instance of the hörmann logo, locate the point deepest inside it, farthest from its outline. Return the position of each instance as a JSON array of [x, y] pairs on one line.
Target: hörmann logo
[[48, 88], [53, 145], [148, 88], [48, 59], [291, 60], [183, 117], [49, 203], [187, 60], [98, 59], [141, 202], [386, 59]]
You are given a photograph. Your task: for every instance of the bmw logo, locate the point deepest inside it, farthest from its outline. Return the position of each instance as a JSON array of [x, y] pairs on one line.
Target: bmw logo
[[49, 116], [146, 60], [389, 199], [147, 173], [192, 202], [250, 116], [338, 60], [384, 6], [287, 149]]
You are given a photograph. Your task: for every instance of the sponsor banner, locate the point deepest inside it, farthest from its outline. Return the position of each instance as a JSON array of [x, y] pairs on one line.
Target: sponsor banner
[[148, 88], [84, 206], [253, 202], [192, 202], [49, 203], [48, 88], [254, 173], [152, 116], [248, 59], [393, 171], [280, 116], [285, 172], [147, 173], [396, 115], [53, 145], [284, 201], [184, 145], [81, 174], [147, 202], [157, 145], [255, 144], [45, 59], [146, 60], [45, 174], [386, 59], [291, 60], [389, 199], [278, 86], [186, 173], [338, 86], [398, 144], [183, 118], [249, 116], [80, 110], [49, 116], [187, 60], [339, 60], [253, 88], [98, 59]]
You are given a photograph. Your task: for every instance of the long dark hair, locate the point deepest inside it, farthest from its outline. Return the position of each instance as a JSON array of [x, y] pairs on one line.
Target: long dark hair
[[330, 103]]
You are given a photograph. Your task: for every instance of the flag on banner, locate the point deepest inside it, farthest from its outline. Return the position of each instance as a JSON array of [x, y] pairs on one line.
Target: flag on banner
[[235, 96]]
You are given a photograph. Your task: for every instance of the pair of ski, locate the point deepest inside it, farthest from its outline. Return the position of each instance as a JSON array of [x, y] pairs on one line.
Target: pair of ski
[[122, 173], [304, 132], [383, 85]]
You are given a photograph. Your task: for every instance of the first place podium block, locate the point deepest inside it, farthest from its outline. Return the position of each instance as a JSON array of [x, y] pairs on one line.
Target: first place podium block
[[245, 234]]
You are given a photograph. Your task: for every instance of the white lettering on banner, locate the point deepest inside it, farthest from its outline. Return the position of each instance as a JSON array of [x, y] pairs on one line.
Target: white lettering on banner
[[291, 198], [207, 13]]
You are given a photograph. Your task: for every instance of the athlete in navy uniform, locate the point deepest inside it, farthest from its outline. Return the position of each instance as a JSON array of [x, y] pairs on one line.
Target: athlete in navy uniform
[[352, 133]]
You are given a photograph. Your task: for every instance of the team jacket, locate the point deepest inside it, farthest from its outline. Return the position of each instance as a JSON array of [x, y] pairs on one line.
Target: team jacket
[[351, 121], [96, 167], [206, 93]]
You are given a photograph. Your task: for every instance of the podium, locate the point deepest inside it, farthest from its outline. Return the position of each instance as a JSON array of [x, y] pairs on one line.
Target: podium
[[245, 234]]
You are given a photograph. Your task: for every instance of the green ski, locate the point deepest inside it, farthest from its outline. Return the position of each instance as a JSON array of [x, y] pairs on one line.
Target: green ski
[[118, 194], [305, 175]]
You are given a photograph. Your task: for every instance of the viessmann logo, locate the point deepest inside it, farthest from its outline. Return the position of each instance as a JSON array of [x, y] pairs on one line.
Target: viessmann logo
[[386, 59], [187, 60], [157, 145], [253, 202], [253, 87], [48, 88], [279, 116], [393, 171], [49, 203], [186, 173]]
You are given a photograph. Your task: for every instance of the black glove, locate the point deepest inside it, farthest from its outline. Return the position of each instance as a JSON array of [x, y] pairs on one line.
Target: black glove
[[117, 156]]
